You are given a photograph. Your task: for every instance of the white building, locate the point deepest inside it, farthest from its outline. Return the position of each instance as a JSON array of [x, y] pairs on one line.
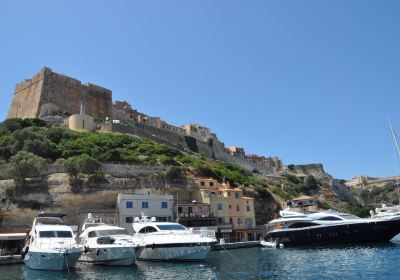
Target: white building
[[143, 203]]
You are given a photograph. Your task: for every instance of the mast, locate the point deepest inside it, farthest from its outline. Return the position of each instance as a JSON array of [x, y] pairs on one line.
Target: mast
[[398, 151], [394, 137]]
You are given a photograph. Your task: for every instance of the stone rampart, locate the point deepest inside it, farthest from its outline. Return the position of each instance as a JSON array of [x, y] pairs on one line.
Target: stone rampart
[[215, 150], [315, 169]]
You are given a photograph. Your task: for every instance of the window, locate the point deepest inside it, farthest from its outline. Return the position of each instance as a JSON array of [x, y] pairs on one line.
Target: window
[[249, 222], [220, 193], [129, 204], [107, 232], [129, 220], [221, 220], [229, 193], [171, 227], [230, 206], [55, 234], [145, 204], [330, 218], [202, 183], [239, 221], [230, 221], [164, 204], [237, 208], [248, 208], [237, 195], [211, 184], [219, 206], [303, 224], [148, 229]]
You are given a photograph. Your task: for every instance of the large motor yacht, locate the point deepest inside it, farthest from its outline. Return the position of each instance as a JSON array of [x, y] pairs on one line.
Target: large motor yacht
[[166, 241], [51, 245], [329, 227], [106, 244]]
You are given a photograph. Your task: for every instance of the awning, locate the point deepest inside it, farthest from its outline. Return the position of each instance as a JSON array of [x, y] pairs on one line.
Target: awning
[[13, 236]]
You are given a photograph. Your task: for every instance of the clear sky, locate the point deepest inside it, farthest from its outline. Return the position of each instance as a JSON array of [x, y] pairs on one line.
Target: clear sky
[[308, 81]]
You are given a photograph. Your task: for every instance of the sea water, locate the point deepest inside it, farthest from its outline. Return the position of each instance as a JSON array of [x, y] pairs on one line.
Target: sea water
[[371, 261]]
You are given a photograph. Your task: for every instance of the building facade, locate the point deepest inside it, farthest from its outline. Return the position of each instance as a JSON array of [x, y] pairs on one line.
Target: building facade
[[234, 212], [195, 215], [143, 203]]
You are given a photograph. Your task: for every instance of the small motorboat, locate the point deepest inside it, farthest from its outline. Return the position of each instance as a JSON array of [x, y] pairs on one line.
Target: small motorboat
[[106, 244], [165, 241]]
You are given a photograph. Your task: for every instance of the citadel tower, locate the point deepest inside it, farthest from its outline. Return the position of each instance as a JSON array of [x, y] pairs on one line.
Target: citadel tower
[[49, 92]]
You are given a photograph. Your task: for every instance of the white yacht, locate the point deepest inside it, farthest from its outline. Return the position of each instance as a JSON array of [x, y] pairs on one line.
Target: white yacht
[[385, 211], [106, 244], [166, 241], [51, 245]]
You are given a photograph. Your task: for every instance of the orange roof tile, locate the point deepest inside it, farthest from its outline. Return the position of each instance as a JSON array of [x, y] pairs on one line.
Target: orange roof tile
[[303, 197]]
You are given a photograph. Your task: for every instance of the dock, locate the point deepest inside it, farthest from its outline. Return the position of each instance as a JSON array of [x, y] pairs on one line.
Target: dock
[[10, 259], [236, 245]]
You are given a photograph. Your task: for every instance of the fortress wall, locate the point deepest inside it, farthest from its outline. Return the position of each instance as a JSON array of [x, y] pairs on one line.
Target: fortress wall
[[49, 91], [316, 169], [26, 99], [221, 154], [216, 151], [98, 101]]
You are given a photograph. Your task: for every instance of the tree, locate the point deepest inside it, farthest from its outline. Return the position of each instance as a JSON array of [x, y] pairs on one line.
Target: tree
[[81, 165], [311, 183], [23, 165]]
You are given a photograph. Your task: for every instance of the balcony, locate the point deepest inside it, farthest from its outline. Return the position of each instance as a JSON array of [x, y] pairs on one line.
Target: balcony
[[197, 220]]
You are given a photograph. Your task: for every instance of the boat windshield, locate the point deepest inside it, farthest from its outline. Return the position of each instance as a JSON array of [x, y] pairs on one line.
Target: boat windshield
[[107, 232], [350, 217], [171, 227], [55, 234]]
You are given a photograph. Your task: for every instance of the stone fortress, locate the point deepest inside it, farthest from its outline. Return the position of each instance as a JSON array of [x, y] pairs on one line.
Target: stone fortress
[[52, 96]]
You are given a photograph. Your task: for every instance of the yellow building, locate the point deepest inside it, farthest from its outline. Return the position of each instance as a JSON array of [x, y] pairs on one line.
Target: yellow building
[[234, 212]]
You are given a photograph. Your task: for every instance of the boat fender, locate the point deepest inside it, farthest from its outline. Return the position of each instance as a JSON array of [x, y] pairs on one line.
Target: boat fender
[[24, 252], [97, 252], [281, 245], [153, 246], [86, 249]]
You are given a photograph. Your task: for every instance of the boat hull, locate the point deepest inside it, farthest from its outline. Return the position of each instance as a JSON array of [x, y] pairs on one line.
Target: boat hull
[[174, 252], [52, 260], [370, 231], [109, 256]]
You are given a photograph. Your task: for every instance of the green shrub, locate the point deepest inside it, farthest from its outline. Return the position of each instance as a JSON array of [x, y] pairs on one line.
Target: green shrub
[[23, 165]]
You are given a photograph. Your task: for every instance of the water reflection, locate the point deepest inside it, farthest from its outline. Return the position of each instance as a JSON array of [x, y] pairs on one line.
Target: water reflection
[[369, 261]]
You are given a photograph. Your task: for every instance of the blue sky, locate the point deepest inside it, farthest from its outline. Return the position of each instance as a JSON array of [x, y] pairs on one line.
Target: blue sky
[[308, 81]]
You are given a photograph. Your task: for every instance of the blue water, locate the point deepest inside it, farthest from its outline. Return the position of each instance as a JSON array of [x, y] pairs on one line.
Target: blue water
[[373, 261]]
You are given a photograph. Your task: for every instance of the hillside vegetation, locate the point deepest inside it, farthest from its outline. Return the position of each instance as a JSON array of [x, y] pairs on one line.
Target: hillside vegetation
[[29, 143]]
